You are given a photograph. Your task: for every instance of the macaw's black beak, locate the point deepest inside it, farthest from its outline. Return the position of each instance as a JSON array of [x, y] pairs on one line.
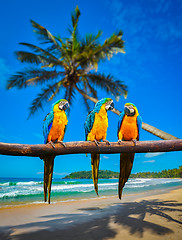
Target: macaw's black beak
[[66, 106], [111, 106], [126, 110]]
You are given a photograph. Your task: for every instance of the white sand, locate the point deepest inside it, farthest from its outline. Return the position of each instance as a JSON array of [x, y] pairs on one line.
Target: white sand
[[136, 216]]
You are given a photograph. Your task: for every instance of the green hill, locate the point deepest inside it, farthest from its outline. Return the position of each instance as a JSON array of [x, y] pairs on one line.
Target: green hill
[[88, 174], [171, 173]]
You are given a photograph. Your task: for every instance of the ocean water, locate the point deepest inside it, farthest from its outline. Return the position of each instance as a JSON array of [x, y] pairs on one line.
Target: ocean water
[[23, 190]]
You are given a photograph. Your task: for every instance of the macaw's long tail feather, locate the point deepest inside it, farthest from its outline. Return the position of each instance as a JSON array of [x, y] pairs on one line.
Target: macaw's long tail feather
[[48, 172], [95, 159], [126, 164]]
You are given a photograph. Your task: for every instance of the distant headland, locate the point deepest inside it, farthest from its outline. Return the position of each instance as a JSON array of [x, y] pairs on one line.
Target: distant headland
[[106, 174]]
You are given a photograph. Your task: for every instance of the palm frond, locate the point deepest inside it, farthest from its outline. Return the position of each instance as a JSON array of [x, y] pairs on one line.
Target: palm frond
[[86, 103], [32, 76], [30, 57], [98, 52], [41, 98], [75, 45], [89, 90], [87, 60], [59, 52], [108, 83], [43, 34], [70, 94], [91, 41], [85, 57], [112, 45], [57, 89], [75, 17], [43, 56], [39, 50], [46, 37]]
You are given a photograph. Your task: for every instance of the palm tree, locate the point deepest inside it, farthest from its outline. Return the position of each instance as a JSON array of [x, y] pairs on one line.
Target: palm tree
[[69, 65]]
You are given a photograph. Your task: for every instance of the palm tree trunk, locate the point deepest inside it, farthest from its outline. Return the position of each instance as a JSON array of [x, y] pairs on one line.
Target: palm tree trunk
[[157, 132], [153, 130]]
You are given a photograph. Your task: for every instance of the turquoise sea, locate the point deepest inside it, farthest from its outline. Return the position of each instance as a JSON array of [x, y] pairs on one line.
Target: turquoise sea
[[30, 190]]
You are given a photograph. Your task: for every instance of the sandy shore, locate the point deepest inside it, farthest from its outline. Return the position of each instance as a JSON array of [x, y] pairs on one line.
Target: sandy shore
[[147, 216]]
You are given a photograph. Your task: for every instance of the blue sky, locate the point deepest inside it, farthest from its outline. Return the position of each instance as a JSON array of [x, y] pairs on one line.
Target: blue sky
[[151, 68]]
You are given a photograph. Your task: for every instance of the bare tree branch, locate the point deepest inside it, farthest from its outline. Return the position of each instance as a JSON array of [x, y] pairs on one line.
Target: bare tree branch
[[42, 150]]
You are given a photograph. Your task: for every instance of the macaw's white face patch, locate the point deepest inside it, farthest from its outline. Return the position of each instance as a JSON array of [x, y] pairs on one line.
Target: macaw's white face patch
[[63, 105], [109, 105]]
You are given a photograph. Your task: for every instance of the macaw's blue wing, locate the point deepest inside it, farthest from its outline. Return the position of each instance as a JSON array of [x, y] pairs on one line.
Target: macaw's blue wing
[[47, 125], [121, 117], [139, 125], [89, 123], [67, 118]]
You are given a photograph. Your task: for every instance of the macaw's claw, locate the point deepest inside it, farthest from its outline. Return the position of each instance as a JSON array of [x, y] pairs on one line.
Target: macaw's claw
[[52, 144], [62, 143], [119, 141], [134, 141], [106, 141], [96, 142]]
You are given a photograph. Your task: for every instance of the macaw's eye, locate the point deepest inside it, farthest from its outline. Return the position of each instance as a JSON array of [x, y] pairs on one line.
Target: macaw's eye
[[132, 110]]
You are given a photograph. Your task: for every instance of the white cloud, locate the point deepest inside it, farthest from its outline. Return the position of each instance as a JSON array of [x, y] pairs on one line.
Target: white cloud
[[61, 174], [55, 173], [149, 161], [105, 157], [153, 154], [135, 20]]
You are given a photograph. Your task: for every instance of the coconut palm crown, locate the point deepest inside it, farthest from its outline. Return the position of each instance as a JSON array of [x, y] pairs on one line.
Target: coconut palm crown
[[67, 65]]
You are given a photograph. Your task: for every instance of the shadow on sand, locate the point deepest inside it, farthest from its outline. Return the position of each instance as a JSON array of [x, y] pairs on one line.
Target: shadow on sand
[[95, 223]]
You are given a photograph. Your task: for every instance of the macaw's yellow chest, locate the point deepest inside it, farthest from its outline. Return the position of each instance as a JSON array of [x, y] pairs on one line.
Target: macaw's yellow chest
[[129, 129], [58, 126], [99, 129]]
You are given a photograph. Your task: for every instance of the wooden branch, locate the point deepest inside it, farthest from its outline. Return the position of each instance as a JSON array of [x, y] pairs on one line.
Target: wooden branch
[[41, 150]]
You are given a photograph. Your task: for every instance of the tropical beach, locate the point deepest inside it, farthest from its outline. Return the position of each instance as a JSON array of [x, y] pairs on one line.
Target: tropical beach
[[73, 76], [153, 215]]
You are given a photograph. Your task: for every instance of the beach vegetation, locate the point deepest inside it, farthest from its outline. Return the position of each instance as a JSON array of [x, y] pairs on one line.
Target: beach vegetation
[[106, 174], [170, 173]]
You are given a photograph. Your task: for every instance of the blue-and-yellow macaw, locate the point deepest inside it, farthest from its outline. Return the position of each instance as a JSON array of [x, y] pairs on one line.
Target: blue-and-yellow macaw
[[54, 128], [96, 130], [129, 126]]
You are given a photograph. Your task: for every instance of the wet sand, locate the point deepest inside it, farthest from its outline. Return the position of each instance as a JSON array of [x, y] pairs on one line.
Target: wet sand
[[152, 215]]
